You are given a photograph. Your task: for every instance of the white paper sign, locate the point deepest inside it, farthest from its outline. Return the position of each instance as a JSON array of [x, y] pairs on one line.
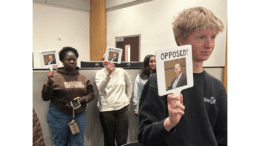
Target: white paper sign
[[174, 69], [113, 54], [49, 58]]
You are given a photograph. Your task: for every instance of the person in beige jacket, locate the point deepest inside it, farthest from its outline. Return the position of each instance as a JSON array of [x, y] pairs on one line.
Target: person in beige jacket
[[115, 90]]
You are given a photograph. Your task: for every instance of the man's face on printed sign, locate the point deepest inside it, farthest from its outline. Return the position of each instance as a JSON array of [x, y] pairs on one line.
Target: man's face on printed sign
[[177, 70]]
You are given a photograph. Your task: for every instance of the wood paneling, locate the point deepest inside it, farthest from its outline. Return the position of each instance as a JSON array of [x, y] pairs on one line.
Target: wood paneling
[[134, 43], [226, 67], [97, 29]]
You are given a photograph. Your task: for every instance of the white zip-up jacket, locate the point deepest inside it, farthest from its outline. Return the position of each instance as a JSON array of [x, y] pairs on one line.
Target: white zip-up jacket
[[115, 91]]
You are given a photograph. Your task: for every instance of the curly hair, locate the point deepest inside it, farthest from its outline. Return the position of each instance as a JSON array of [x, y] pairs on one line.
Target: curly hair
[[67, 49], [192, 19], [145, 71]]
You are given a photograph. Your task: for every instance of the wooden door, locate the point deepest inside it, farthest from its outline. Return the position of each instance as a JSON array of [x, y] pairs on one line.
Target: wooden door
[[133, 41]]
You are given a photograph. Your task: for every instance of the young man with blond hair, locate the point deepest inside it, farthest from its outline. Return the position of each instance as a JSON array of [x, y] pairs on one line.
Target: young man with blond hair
[[198, 116]]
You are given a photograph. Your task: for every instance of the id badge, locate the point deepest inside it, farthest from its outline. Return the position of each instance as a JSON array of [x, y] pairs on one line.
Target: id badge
[[73, 127]]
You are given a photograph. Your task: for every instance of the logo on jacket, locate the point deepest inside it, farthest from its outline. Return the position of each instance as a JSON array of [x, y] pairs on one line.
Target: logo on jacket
[[212, 100], [73, 84]]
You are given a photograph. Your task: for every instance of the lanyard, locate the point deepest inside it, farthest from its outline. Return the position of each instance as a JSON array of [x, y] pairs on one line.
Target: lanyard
[[73, 113]]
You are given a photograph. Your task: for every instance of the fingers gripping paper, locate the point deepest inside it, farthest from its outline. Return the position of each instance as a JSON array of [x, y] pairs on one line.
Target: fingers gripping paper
[[174, 69]]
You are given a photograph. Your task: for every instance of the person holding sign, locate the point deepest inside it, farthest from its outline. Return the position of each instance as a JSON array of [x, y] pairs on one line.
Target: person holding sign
[[198, 116], [62, 88], [149, 67], [115, 90], [180, 79]]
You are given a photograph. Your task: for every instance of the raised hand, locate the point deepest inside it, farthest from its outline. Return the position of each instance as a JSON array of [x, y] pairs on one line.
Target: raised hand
[[175, 109], [111, 68], [136, 113], [50, 76], [78, 98]]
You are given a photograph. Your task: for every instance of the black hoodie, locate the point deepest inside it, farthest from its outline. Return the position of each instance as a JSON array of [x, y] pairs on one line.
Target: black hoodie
[[203, 124]]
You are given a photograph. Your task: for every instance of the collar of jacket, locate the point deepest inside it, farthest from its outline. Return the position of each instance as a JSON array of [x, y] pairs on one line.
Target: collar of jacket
[[63, 71]]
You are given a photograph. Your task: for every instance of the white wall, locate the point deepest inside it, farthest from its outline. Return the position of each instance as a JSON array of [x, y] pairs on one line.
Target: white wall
[[113, 3], [50, 21], [153, 21]]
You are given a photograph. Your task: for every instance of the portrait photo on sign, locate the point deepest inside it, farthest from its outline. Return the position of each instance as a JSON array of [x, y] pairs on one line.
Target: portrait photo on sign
[[175, 73], [113, 54], [174, 69], [49, 58]]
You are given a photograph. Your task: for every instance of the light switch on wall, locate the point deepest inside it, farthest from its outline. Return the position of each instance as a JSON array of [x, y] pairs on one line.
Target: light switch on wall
[[59, 37]]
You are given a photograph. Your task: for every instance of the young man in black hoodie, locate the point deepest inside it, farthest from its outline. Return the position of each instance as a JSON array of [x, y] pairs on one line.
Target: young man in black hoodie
[[198, 116]]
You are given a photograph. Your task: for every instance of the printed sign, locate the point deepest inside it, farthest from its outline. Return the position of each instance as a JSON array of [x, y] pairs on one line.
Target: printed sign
[[113, 55], [49, 58], [174, 69]]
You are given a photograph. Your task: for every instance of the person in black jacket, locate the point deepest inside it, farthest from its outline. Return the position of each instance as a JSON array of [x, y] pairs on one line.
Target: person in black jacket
[[198, 116]]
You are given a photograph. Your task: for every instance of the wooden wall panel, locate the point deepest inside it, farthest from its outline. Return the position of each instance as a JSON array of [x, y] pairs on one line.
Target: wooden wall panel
[[98, 29], [226, 67]]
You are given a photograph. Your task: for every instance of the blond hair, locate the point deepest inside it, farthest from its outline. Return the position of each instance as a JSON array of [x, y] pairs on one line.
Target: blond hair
[[192, 19]]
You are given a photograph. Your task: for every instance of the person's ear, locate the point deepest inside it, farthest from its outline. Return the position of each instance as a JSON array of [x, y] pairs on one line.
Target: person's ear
[[180, 41]]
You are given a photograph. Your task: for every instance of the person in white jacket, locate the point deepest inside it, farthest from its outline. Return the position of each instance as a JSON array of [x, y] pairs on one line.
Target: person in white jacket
[[149, 67], [115, 90]]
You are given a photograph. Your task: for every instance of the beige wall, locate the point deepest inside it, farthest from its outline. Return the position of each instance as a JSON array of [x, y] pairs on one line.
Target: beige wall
[[153, 21], [51, 21]]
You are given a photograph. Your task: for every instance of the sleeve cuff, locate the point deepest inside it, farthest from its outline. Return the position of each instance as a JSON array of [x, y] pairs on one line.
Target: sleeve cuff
[[49, 83], [162, 125]]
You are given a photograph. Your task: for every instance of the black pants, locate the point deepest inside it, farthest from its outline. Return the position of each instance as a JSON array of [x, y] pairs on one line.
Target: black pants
[[115, 126]]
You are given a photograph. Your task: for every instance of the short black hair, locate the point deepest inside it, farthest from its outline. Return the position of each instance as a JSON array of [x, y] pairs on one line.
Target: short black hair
[[67, 49]]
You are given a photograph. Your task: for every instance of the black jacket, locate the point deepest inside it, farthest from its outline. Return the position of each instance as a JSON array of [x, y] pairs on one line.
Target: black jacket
[[203, 124], [53, 62], [182, 81], [114, 59]]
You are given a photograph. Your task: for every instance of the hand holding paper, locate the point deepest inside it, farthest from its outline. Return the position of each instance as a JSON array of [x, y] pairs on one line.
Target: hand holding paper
[[176, 110], [78, 98], [50, 76], [111, 68]]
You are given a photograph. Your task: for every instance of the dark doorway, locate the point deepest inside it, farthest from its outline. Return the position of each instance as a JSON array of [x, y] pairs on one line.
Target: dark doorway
[[130, 46]]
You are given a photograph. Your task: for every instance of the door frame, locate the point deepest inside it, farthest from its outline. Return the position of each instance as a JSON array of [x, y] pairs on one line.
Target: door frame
[[139, 35]]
